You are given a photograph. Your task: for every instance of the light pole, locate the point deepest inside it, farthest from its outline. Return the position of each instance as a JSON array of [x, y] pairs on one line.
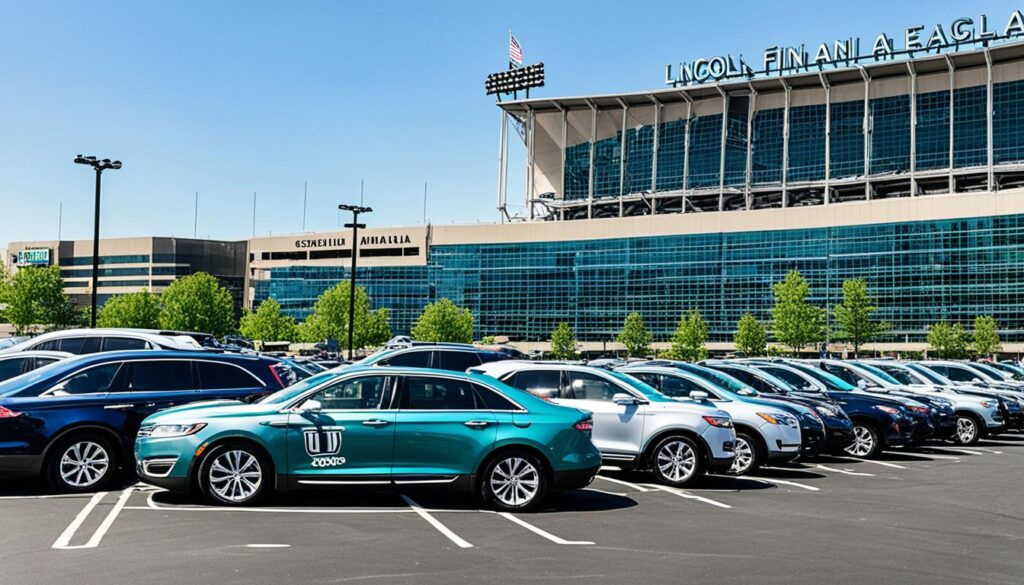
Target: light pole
[[355, 225], [99, 166]]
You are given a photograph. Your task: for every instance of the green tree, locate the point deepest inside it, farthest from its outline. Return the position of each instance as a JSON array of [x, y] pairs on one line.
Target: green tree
[[444, 321], [5, 290], [751, 336], [267, 323], [487, 340], [329, 319], [796, 322], [635, 337], [35, 300], [986, 336], [689, 342], [947, 341], [563, 343], [199, 303], [140, 310], [854, 315]]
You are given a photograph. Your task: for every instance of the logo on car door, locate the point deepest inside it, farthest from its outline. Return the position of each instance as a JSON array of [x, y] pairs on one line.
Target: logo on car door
[[322, 441]]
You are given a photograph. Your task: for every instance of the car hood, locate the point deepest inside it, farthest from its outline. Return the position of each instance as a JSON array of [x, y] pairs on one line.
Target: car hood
[[213, 409], [687, 406], [891, 398]]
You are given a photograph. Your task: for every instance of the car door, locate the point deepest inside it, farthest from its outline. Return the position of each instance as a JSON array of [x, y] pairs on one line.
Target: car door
[[618, 428], [153, 385], [349, 438], [443, 429], [227, 381]]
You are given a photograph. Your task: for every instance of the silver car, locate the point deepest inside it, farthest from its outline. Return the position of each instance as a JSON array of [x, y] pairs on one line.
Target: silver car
[[635, 426]]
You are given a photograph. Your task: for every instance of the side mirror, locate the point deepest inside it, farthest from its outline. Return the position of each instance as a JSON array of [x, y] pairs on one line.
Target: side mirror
[[625, 399], [311, 406], [976, 380], [58, 390], [746, 392], [698, 395], [862, 384]]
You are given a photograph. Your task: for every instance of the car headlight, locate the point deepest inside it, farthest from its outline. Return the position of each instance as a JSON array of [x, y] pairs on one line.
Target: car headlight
[[889, 410], [779, 418], [990, 403], [826, 410], [722, 422], [942, 403], [164, 431]]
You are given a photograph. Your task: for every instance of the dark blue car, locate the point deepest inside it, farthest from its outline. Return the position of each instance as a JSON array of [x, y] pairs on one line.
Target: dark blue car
[[75, 421]]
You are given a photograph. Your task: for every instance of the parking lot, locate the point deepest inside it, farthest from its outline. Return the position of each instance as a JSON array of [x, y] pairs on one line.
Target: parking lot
[[939, 514]]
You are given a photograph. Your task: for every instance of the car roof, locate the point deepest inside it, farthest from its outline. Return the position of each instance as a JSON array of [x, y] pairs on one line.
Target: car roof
[[163, 340], [37, 353]]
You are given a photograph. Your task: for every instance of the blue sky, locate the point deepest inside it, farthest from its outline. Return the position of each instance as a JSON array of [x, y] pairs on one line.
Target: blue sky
[[231, 97]]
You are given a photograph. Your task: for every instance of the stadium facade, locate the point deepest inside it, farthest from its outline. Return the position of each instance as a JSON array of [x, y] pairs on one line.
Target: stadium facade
[[903, 167]]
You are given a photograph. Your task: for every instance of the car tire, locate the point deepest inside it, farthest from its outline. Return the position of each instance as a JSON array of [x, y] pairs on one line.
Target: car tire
[[85, 462], [749, 455], [235, 474], [677, 461], [968, 429], [514, 481], [866, 442]]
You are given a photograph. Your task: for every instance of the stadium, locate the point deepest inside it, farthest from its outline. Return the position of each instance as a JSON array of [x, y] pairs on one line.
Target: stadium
[[900, 165]]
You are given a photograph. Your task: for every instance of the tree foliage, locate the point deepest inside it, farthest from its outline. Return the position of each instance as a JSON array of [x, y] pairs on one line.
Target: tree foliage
[[329, 319], [635, 337], [198, 302], [563, 343], [689, 342], [444, 321], [854, 315], [267, 323], [5, 290], [751, 336], [796, 322], [986, 336], [139, 310], [947, 341], [35, 299]]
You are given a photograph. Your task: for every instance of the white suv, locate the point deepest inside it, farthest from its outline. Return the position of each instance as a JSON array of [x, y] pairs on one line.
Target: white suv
[[82, 341], [635, 426]]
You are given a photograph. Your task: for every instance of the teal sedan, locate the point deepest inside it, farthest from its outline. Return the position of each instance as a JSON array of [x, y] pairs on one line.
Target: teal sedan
[[373, 426]]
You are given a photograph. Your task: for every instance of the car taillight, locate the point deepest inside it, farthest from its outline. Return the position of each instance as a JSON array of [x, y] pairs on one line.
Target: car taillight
[[283, 374], [584, 426], [8, 413]]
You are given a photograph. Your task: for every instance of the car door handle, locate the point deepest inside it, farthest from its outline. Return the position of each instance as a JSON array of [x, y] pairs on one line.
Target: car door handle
[[476, 423], [279, 424], [118, 406], [375, 422]]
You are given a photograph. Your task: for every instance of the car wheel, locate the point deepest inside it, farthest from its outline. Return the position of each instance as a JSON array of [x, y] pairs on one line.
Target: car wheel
[[677, 460], [234, 474], [866, 442], [514, 481], [748, 455], [967, 430], [83, 463]]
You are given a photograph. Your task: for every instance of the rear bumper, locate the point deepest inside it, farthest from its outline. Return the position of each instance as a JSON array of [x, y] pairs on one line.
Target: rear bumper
[[574, 478], [20, 465]]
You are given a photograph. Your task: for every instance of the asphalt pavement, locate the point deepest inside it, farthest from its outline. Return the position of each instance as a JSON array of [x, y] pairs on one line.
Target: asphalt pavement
[[929, 515]]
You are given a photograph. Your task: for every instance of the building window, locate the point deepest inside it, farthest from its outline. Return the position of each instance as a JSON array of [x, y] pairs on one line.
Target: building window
[[970, 134], [806, 144], [705, 151], [639, 158], [736, 141], [1008, 122], [766, 147], [932, 130], [847, 148], [890, 134], [671, 155], [289, 255]]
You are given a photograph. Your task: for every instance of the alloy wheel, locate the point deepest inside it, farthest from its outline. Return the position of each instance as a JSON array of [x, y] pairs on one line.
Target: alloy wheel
[[235, 475], [84, 464], [966, 430], [676, 460], [514, 481], [863, 442], [744, 457]]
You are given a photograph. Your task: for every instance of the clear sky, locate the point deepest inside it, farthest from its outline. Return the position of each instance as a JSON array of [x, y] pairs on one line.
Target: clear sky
[[231, 97]]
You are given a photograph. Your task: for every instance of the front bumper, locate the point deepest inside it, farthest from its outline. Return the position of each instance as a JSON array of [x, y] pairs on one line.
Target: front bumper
[[812, 441]]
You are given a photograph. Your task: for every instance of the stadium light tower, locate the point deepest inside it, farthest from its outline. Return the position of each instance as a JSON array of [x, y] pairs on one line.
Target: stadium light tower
[[99, 166], [355, 225]]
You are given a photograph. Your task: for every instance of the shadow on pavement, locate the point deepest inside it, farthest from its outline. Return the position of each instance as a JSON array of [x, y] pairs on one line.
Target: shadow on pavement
[[793, 473]]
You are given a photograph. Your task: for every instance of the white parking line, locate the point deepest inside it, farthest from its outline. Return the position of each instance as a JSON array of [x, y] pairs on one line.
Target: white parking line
[[268, 546], [933, 455], [884, 463], [772, 480], [844, 471], [957, 450], [993, 451], [607, 493], [48, 497], [688, 495], [435, 523], [63, 542], [637, 487], [540, 532]]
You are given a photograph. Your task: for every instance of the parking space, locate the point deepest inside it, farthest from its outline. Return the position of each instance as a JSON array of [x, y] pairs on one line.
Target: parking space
[[933, 514]]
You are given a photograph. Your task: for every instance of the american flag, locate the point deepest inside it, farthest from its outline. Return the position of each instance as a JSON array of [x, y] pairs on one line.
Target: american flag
[[515, 52]]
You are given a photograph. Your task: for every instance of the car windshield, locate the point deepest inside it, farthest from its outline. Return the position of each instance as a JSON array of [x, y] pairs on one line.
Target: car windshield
[[899, 373], [993, 373], [648, 391], [722, 380], [880, 374], [932, 377], [18, 383], [286, 394], [831, 382]]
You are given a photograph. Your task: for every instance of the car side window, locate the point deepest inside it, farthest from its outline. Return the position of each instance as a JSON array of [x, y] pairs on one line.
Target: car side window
[[123, 343], [72, 345], [544, 384], [430, 393], [677, 387], [843, 374], [97, 380], [364, 393], [584, 386], [411, 359], [652, 380], [795, 380], [160, 376], [11, 368], [959, 374], [214, 375], [457, 361], [51, 345], [493, 400]]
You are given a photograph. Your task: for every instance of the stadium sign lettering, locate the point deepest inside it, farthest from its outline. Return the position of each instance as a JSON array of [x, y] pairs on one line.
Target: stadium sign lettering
[[781, 60], [381, 240], [320, 243]]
